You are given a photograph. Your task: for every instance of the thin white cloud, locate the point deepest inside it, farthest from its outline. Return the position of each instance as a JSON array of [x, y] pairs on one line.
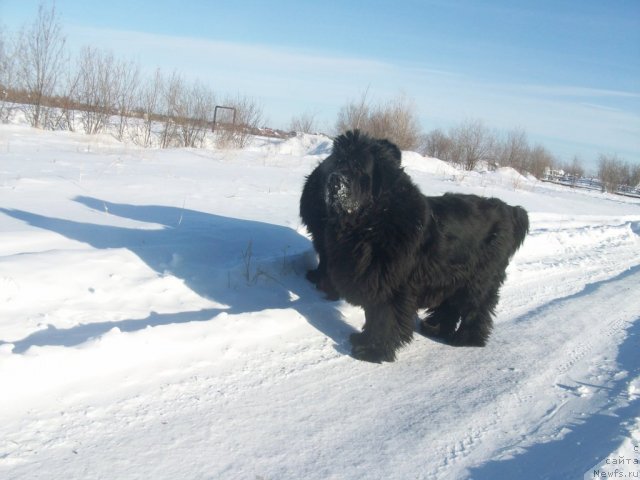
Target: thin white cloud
[[209, 53], [290, 82], [573, 91]]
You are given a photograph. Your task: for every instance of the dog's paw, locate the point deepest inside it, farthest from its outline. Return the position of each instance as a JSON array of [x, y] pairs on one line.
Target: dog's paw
[[430, 329], [332, 296], [358, 338], [463, 338], [372, 353], [313, 276], [327, 287]]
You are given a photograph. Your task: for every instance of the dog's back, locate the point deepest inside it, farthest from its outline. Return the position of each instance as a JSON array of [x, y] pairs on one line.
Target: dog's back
[[465, 228]]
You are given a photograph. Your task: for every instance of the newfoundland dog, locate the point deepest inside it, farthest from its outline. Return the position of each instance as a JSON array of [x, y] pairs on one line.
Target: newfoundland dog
[[384, 246]]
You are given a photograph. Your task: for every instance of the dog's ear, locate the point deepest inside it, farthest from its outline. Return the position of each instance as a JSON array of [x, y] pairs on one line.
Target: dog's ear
[[385, 173], [387, 165], [390, 151]]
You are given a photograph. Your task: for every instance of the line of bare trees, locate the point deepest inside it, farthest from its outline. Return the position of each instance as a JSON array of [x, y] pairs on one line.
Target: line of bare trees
[[97, 92], [472, 142], [468, 144]]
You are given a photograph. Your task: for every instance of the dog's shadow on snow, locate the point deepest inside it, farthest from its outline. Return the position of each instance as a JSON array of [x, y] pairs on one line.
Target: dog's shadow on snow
[[245, 265]]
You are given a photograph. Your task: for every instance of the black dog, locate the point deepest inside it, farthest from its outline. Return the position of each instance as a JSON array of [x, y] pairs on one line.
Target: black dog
[[386, 247]]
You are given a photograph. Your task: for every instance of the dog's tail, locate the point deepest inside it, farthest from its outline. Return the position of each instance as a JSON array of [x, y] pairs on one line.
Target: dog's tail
[[520, 225]]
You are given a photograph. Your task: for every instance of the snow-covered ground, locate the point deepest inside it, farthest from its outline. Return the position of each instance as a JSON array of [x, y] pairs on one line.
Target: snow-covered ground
[[155, 323]]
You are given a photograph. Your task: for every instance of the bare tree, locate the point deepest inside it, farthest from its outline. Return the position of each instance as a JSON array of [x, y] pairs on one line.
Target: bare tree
[[305, 123], [41, 57], [625, 175], [634, 178], [435, 144], [472, 143], [610, 172], [574, 170], [249, 117], [395, 120], [514, 150], [126, 90], [195, 109], [354, 115], [96, 89], [171, 91], [151, 93], [67, 105], [7, 76], [539, 160]]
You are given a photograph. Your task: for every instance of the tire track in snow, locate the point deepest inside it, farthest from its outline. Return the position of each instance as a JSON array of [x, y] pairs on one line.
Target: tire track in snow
[[562, 265], [572, 351], [559, 259]]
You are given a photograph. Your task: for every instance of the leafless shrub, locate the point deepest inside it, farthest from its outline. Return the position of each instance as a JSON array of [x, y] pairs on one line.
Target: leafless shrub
[[249, 117], [634, 175], [173, 112], [40, 59], [195, 106], [67, 106], [126, 90], [171, 91], [436, 144], [395, 120], [611, 172], [141, 132], [539, 160], [513, 151], [472, 143], [305, 123], [574, 170], [96, 90], [7, 75], [354, 115]]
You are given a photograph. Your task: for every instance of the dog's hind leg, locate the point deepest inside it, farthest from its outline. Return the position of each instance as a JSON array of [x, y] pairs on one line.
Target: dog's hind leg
[[441, 322], [461, 321], [476, 322], [474, 330]]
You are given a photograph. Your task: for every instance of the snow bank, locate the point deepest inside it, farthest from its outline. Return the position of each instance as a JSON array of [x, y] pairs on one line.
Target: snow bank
[[415, 162]]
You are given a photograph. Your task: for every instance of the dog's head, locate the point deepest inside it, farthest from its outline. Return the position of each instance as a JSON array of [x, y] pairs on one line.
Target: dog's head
[[360, 169]]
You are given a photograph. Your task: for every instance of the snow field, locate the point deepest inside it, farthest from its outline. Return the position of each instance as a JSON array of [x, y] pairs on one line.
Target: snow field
[[155, 323]]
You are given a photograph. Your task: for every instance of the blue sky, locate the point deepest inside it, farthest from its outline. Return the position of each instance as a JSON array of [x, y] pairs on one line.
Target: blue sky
[[568, 72]]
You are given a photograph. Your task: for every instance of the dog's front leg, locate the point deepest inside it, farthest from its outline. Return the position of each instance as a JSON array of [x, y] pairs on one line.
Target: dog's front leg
[[387, 327]]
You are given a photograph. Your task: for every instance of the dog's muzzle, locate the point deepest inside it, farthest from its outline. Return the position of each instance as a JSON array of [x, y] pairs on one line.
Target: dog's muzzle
[[339, 195]]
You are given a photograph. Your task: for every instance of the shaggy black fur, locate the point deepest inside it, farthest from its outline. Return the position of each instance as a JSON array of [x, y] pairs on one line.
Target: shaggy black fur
[[384, 246]]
